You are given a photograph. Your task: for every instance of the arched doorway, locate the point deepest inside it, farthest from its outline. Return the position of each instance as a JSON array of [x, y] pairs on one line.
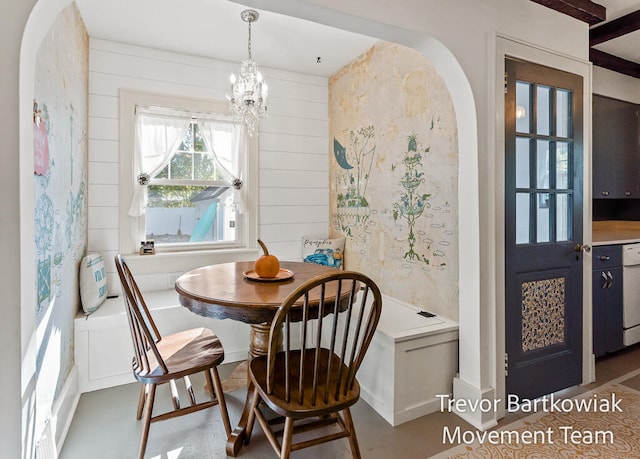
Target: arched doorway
[[477, 359]]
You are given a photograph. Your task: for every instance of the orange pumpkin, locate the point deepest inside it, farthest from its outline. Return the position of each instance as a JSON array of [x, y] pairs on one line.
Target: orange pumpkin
[[267, 265]]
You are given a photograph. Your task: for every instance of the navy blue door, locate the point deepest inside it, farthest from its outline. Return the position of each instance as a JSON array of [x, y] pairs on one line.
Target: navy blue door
[[543, 228]]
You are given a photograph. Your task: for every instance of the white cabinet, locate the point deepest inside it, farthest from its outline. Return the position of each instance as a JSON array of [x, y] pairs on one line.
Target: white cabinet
[[410, 360]]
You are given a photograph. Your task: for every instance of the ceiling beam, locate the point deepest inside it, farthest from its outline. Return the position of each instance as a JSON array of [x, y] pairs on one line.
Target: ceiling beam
[[584, 10], [614, 29], [615, 63]]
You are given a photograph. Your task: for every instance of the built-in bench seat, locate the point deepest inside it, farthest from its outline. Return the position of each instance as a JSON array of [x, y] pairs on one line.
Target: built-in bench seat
[[103, 349], [411, 360]]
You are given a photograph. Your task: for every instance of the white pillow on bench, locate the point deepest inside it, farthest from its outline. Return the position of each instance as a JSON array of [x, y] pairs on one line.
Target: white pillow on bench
[[93, 282]]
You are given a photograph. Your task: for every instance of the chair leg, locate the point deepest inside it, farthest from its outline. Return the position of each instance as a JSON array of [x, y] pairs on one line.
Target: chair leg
[[287, 438], [208, 385], [148, 411], [252, 415], [222, 404], [141, 399], [353, 440]]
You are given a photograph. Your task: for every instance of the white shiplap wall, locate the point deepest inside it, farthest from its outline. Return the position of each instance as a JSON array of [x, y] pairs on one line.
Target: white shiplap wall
[[293, 145]]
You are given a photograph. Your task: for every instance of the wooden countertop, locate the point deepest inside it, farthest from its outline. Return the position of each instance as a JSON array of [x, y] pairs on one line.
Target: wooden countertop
[[615, 232]]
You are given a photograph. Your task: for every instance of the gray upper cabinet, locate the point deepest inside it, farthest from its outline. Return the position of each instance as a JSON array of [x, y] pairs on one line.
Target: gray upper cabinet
[[616, 150]]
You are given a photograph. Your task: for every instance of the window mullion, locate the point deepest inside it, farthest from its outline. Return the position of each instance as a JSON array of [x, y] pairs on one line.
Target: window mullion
[[192, 149]]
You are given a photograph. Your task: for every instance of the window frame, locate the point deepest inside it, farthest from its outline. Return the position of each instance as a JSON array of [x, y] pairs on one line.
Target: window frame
[[132, 229]]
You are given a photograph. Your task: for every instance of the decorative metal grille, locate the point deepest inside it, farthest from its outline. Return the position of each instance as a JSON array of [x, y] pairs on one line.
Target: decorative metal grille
[[543, 313]]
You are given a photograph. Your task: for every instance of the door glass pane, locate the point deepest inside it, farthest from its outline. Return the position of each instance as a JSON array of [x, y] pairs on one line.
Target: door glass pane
[[563, 113], [542, 164], [523, 154], [563, 210], [523, 107], [562, 165], [542, 230], [544, 111], [522, 218]]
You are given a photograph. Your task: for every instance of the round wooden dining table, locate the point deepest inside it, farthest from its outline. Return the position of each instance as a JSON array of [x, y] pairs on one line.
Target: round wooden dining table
[[230, 291]]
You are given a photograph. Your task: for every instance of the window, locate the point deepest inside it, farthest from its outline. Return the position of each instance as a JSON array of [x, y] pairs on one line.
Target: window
[[191, 199], [190, 180]]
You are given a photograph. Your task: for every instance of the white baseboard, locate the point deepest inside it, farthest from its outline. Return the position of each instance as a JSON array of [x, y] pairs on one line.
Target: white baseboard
[[421, 409], [478, 419], [64, 408]]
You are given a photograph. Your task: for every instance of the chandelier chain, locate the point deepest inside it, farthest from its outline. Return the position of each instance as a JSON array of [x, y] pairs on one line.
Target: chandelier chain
[[249, 41]]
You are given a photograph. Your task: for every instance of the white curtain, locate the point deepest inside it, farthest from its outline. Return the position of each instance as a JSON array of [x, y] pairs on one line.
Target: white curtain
[[225, 141], [156, 137]]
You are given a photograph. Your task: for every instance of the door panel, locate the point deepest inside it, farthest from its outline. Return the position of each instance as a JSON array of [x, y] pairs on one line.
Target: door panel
[[543, 224]]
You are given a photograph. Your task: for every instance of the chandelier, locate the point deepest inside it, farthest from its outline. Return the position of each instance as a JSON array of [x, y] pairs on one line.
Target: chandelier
[[248, 99]]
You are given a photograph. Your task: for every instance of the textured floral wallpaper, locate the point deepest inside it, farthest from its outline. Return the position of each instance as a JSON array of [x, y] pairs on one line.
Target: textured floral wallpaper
[[393, 175], [60, 177]]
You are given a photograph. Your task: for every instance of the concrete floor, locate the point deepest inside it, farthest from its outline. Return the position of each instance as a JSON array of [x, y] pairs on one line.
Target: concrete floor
[[104, 426]]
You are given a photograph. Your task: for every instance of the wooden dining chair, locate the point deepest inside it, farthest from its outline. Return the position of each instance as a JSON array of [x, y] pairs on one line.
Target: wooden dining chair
[[308, 376], [165, 359]]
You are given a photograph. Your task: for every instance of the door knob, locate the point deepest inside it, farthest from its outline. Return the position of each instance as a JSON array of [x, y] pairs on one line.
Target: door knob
[[582, 248]]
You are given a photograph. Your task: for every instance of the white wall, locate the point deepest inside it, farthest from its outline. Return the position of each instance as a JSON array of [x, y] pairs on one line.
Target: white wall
[[13, 20], [293, 145], [616, 85]]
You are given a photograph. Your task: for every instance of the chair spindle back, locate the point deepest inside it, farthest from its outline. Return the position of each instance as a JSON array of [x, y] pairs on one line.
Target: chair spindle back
[[334, 334], [144, 332]]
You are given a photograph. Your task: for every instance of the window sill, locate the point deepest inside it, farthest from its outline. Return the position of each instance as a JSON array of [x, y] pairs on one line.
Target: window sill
[[165, 262]]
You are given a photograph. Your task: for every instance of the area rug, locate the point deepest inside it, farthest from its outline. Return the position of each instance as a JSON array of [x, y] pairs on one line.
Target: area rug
[[602, 423], [237, 379]]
